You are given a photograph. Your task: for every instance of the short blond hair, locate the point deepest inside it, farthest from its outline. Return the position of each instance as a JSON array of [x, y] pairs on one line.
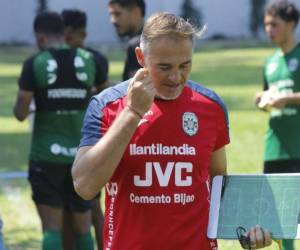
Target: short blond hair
[[166, 24]]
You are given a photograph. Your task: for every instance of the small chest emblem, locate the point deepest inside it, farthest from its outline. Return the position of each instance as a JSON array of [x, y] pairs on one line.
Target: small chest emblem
[[293, 64], [190, 123]]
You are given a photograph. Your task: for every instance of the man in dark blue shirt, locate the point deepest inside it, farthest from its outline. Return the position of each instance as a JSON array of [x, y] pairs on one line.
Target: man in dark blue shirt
[[128, 18]]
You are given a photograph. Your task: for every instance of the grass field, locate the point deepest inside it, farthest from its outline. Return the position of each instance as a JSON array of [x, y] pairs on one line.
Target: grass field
[[235, 74]]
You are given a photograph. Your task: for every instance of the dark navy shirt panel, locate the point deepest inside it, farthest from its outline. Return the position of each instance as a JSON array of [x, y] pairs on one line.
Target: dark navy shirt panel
[[211, 95], [91, 129]]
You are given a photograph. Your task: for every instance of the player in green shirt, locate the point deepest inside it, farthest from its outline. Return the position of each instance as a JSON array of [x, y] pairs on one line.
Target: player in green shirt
[[75, 22], [60, 80], [281, 95]]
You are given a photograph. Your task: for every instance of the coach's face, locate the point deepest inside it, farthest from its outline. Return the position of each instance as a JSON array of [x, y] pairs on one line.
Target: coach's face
[[278, 30], [169, 61], [124, 19]]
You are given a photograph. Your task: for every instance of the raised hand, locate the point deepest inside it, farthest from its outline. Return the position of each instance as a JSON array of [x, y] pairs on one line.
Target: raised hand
[[141, 92]]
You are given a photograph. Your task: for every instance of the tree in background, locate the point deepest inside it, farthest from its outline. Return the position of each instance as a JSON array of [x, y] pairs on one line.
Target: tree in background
[[191, 13], [42, 6], [256, 16]]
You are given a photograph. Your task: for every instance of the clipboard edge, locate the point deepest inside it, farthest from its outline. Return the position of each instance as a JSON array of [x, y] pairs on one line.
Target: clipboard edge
[[215, 202]]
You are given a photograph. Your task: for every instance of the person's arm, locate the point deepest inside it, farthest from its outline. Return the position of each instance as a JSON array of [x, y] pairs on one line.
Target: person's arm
[[259, 95], [21, 108], [94, 165], [285, 99], [218, 164], [26, 90]]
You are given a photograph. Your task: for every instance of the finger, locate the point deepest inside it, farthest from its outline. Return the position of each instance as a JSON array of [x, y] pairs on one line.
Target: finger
[[252, 237], [271, 103], [140, 74], [139, 81], [247, 242], [259, 237], [268, 238], [146, 83], [150, 89]]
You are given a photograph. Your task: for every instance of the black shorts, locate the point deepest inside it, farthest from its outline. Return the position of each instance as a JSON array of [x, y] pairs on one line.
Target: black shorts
[[52, 185], [282, 166]]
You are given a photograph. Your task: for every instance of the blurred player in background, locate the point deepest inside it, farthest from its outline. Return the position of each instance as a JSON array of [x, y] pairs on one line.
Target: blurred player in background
[[281, 95], [60, 80], [75, 22], [128, 18]]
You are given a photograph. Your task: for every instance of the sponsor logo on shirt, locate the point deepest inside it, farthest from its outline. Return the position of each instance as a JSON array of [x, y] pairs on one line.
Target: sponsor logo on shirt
[[284, 112], [67, 93], [293, 64], [51, 68], [180, 169], [181, 178], [57, 149], [144, 120], [190, 123], [284, 84], [160, 149], [112, 188], [177, 198]]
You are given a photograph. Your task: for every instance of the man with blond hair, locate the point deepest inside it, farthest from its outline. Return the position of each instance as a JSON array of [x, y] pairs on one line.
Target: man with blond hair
[[154, 142]]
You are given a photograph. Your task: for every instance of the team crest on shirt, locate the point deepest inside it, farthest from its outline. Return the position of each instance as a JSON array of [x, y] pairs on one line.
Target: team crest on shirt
[[190, 123], [112, 188], [293, 64]]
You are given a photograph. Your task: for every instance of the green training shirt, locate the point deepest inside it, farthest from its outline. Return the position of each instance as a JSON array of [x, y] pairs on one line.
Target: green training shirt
[[61, 79], [282, 74]]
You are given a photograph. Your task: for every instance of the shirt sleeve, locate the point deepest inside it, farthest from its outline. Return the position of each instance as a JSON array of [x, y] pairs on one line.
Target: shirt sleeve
[[222, 128], [91, 129], [131, 63], [27, 78], [101, 68]]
